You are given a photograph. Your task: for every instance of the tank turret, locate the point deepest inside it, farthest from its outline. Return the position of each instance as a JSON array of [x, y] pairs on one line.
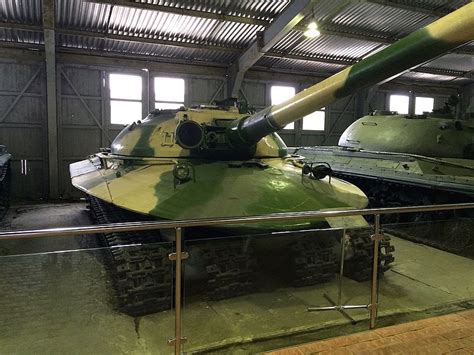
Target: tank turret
[[428, 135]]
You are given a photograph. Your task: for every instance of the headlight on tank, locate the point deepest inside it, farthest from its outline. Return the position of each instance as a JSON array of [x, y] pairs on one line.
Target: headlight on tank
[[183, 172]]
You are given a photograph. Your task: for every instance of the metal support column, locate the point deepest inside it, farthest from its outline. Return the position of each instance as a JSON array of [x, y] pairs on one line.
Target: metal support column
[[50, 55]]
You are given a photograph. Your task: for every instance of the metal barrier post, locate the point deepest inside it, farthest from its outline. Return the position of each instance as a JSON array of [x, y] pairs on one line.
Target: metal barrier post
[[377, 237], [338, 306], [178, 256]]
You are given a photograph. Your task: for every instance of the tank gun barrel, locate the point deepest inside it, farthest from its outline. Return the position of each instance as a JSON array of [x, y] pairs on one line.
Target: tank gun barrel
[[426, 43]]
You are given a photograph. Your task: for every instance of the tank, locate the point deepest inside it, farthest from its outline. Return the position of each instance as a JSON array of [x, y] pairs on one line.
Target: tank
[[5, 179], [430, 151], [400, 160], [207, 162]]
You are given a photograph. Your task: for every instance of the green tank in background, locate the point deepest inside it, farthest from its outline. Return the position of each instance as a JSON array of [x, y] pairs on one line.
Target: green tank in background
[[206, 162], [400, 160], [5, 180], [426, 151]]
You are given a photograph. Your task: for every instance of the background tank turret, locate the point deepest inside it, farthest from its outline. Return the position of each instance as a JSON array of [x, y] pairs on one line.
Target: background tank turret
[[5, 178], [431, 135], [207, 162]]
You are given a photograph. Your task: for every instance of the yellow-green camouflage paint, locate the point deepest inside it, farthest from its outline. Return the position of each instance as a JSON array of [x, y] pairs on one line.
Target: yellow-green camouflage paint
[[219, 190]]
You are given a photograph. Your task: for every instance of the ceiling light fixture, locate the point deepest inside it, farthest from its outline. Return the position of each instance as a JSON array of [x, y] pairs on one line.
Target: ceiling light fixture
[[312, 30]]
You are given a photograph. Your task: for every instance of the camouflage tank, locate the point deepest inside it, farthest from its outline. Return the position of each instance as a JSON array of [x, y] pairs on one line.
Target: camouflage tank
[[207, 162], [5, 178]]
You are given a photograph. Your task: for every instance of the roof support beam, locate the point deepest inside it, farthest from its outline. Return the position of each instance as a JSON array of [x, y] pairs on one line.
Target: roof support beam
[[284, 23], [52, 123], [116, 37], [181, 11], [134, 39]]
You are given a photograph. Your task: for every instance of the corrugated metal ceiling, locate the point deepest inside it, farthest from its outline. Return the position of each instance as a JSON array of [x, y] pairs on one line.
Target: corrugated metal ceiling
[[365, 26]]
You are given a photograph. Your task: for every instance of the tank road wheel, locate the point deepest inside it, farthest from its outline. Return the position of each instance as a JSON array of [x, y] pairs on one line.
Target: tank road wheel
[[312, 261], [5, 179], [359, 266], [230, 268]]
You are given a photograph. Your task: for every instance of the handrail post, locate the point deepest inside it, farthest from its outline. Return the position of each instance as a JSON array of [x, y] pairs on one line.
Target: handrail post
[[177, 295], [375, 273], [178, 256]]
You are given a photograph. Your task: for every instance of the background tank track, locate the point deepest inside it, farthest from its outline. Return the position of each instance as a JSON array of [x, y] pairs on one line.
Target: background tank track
[[142, 274], [446, 230], [359, 266], [5, 181]]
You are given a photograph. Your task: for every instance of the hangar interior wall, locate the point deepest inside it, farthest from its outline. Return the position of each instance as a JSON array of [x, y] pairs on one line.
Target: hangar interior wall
[[83, 114]]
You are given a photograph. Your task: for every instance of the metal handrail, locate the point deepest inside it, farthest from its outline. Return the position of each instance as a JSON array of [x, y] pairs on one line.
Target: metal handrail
[[274, 217], [179, 255]]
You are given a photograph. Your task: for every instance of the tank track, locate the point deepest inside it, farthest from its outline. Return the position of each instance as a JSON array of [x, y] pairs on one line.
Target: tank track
[[453, 235], [5, 180], [231, 268], [359, 266], [142, 274], [313, 261], [420, 227]]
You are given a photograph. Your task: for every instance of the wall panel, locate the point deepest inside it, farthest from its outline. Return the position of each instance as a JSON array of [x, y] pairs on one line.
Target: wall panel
[[23, 126], [201, 90]]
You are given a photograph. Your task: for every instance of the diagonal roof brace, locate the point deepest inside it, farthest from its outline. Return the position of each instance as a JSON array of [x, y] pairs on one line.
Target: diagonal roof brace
[[284, 23]]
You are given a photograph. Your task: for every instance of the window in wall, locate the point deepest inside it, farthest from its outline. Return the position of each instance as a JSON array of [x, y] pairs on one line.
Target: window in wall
[[423, 104], [278, 94], [169, 93], [315, 121], [125, 98], [399, 103]]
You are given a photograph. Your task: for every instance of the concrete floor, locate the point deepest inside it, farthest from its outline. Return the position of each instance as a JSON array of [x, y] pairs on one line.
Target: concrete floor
[[61, 302]]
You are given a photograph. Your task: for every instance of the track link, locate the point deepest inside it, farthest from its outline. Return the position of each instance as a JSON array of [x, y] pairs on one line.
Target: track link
[[139, 266], [231, 268], [359, 266], [313, 261]]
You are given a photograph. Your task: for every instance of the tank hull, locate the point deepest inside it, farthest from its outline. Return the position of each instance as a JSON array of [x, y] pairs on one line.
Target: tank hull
[[439, 175], [214, 188]]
